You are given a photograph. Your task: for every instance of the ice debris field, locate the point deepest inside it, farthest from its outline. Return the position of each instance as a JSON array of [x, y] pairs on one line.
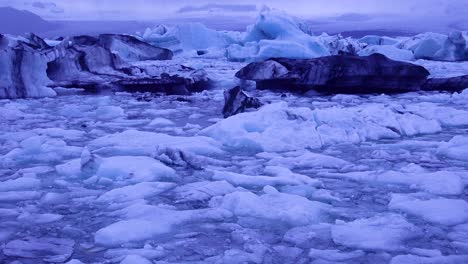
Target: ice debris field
[[304, 179]]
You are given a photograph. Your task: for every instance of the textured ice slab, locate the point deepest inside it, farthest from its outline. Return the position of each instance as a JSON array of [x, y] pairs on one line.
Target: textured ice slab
[[188, 37], [135, 192], [411, 259], [279, 176], [306, 160], [23, 183], [51, 250], [384, 232], [203, 191], [391, 52], [38, 149], [441, 211], [277, 127], [134, 169], [335, 255], [440, 182], [135, 259], [456, 148], [145, 222], [273, 208], [276, 35], [133, 142]]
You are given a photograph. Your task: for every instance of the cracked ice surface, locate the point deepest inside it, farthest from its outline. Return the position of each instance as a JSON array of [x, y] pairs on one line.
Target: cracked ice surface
[[342, 179]]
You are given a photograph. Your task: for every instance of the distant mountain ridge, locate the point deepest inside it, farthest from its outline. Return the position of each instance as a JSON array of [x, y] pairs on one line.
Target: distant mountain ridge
[[17, 22]]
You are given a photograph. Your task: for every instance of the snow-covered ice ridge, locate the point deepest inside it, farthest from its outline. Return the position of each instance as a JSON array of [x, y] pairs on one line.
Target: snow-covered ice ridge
[[137, 179], [342, 179]]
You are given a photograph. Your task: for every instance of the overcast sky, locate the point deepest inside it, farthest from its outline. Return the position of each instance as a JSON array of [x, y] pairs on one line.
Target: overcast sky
[[155, 9]]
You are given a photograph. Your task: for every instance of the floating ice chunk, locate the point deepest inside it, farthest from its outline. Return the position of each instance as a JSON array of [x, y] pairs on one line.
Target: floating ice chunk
[[456, 148], [46, 249], [288, 253], [161, 122], [453, 48], [74, 261], [135, 192], [440, 182], [247, 52], [134, 169], [281, 176], [378, 40], [459, 235], [130, 230], [75, 111], [310, 192], [15, 196], [337, 44], [275, 34], [441, 211], [23, 183], [5, 213], [135, 259], [433, 46], [51, 198], [427, 49], [233, 256], [146, 252], [426, 252], [149, 222], [412, 259], [384, 232], [390, 52], [40, 149], [56, 132], [39, 218], [133, 142], [335, 255], [425, 45], [307, 236], [70, 168], [282, 172], [289, 49], [189, 36], [109, 112], [268, 129], [277, 127], [161, 112], [273, 208], [202, 191], [309, 160]]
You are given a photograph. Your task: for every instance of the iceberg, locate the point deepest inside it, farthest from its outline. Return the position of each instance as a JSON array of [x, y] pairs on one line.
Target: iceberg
[[275, 34], [378, 40], [23, 71], [438, 47], [453, 48], [390, 52], [32, 68], [188, 37]]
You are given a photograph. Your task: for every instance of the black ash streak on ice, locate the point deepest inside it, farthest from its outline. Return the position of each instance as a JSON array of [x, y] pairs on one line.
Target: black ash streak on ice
[[141, 178]]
